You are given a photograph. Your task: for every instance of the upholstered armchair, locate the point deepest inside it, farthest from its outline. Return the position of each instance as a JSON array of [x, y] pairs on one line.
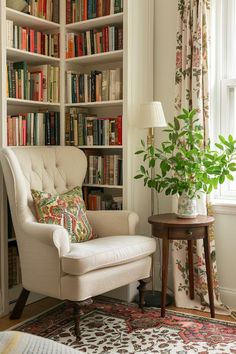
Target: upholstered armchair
[[50, 264]]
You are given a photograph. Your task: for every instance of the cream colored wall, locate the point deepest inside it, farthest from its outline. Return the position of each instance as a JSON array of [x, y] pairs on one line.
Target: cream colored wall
[[164, 75], [164, 66], [164, 72]]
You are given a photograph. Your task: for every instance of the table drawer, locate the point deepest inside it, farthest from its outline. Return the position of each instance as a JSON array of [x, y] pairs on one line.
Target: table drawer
[[183, 233]]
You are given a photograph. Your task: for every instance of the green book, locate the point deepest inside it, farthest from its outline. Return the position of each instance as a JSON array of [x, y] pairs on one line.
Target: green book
[[22, 66]]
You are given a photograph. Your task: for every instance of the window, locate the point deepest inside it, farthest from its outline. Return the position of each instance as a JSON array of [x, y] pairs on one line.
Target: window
[[223, 80]]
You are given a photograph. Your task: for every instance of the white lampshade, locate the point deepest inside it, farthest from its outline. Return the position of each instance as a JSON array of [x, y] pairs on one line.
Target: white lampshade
[[151, 115]]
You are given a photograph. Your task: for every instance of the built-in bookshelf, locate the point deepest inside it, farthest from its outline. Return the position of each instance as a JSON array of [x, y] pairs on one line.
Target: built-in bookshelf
[[119, 37], [30, 102]]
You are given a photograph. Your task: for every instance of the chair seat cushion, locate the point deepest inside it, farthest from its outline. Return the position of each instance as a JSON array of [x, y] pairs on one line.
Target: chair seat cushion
[[106, 252]]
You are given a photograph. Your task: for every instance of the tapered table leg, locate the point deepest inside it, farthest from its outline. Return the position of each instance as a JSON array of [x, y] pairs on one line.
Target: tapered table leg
[[190, 264], [209, 272], [165, 257]]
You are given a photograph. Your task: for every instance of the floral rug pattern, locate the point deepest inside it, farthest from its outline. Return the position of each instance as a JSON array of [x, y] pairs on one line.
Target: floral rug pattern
[[108, 327]]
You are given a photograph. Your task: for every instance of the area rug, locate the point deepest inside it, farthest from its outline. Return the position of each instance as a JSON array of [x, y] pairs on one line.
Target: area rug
[[109, 327]]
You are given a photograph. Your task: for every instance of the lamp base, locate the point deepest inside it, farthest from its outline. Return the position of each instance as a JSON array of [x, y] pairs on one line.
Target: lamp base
[[153, 299]]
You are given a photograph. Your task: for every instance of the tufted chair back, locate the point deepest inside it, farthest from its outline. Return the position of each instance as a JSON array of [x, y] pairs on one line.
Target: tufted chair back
[[51, 169]]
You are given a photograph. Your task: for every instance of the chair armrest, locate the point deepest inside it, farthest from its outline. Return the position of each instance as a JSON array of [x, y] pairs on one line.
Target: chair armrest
[[111, 223], [48, 234]]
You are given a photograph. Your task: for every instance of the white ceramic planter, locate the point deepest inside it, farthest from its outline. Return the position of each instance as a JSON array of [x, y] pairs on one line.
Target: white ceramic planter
[[187, 207]]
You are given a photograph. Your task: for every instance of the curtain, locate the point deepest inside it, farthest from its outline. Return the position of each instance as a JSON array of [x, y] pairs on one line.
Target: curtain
[[191, 84]]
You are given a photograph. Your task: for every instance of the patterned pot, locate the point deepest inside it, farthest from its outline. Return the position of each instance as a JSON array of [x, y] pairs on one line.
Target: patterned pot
[[187, 207]]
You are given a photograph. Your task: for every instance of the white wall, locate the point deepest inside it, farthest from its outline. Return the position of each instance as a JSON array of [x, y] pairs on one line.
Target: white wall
[[164, 74]]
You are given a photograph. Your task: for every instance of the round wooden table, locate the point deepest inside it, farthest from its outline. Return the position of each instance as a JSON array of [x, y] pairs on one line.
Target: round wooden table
[[170, 227]]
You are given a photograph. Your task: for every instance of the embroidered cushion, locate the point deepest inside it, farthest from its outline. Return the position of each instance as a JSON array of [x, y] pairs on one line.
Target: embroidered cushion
[[67, 209]]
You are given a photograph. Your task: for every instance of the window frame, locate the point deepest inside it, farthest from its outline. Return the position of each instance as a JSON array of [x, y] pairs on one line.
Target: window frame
[[221, 79]]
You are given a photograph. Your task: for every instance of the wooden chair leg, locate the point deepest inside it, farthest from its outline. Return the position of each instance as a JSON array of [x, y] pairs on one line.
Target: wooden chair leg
[[20, 304], [77, 314], [141, 288]]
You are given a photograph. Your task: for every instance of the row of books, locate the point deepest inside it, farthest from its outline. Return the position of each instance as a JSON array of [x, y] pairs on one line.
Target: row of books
[[33, 129], [46, 9], [33, 41], [83, 129], [94, 41], [105, 169], [14, 271], [98, 200], [97, 86], [82, 10], [38, 83]]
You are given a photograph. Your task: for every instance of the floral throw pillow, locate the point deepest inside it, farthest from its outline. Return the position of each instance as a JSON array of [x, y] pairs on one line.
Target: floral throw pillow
[[67, 209]]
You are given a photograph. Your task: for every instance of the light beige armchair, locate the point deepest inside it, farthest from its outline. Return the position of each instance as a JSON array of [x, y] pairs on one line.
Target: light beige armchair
[[50, 264]]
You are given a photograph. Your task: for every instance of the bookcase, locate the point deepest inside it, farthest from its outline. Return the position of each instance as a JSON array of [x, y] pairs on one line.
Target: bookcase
[[112, 155]]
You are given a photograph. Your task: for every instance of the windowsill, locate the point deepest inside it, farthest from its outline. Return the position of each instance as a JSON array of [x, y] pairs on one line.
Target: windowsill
[[222, 206]]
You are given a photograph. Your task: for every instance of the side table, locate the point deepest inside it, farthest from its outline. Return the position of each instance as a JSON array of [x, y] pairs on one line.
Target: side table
[[169, 227]]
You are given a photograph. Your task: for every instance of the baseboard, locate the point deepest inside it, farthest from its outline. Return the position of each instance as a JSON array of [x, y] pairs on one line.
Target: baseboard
[[228, 297]]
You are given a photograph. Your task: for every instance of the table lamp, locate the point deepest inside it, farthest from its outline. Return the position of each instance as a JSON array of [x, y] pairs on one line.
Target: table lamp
[[152, 116]]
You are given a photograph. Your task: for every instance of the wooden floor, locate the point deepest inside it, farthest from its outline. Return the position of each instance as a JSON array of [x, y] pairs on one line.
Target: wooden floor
[[45, 304]]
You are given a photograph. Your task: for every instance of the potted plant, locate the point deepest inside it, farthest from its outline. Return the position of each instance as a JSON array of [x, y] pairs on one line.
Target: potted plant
[[188, 167]]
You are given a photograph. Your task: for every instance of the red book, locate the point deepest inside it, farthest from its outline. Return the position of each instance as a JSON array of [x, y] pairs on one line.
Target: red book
[[45, 9], [37, 77], [119, 130], [107, 7], [24, 131], [32, 40], [23, 39], [85, 14], [39, 42], [80, 45], [106, 39], [40, 8], [68, 11]]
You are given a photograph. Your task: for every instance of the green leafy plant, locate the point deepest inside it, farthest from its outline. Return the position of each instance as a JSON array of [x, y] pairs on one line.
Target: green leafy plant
[[186, 164]]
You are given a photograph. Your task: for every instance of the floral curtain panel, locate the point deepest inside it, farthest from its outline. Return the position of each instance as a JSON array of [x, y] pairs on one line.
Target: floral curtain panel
[[192, 92]]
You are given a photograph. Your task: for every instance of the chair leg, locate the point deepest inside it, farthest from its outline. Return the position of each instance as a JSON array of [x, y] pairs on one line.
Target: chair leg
[[141, 288], [77, 314], [20, 304]]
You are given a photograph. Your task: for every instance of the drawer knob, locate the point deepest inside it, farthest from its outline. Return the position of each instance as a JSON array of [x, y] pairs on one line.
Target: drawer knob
[[189, 233]]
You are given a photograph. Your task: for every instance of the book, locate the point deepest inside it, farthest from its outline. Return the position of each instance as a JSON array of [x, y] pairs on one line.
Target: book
[[39, 83], [94, 87], [94, 41], [33, 129]]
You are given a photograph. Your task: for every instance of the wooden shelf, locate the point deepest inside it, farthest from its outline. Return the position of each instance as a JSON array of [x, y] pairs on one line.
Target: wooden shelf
[[96, 22], [102, 186], [22, 19], [14, 54], [17, 101], [28, 103], [96, 104], [100, 147], [116, 55]]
